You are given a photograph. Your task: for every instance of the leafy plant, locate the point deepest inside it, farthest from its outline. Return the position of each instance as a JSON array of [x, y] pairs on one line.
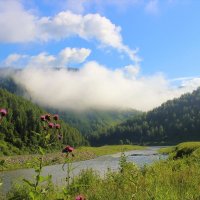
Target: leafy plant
[[49, 136]]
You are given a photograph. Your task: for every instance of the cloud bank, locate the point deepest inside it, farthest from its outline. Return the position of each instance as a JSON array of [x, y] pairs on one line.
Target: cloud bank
[[96, 86]]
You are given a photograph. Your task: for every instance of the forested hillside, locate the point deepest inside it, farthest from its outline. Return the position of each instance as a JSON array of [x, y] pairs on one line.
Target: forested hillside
[[174, 121], [20, 127], [95, 121]]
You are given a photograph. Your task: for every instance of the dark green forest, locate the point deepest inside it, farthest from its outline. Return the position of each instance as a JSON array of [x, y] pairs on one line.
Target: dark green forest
[[94, 121], [174, 121], [19, 129]]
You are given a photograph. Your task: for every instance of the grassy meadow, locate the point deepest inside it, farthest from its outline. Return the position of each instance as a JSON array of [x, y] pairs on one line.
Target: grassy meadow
[[81, 153]]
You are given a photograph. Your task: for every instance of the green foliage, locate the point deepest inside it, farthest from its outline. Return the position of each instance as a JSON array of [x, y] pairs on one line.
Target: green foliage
[[184, 149], [163, 180], [168, 180], [109, 149], [175, 121], [94, 121], [35, 185], [7, 82], [8, 149], [19, 129]]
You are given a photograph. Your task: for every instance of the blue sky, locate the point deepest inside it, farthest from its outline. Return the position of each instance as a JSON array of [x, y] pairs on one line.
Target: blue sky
[[167, 35], [152, 37]]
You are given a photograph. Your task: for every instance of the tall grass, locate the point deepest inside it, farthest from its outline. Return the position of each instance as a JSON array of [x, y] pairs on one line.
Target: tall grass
[[177, 178]]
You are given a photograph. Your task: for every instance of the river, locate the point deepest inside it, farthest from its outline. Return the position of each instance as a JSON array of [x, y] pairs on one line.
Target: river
[[101, 164]]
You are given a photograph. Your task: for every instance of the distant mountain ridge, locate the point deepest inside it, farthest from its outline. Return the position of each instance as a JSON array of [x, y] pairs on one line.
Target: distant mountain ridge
[[174, 121], [94, 121]]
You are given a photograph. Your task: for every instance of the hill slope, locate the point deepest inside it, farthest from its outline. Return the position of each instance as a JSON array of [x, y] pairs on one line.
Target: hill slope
[[94, 121], [174, 121], [23, 120]]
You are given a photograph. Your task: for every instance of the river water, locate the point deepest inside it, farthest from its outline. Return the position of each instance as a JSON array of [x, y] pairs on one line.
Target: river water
[[101, 164]]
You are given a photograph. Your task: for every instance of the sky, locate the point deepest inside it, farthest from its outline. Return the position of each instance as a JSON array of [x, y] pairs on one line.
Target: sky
[[127, 51]]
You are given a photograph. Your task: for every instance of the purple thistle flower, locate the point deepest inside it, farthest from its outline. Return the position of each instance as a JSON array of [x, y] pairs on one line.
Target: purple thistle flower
[[80, 197], [48, 117], [57, 126], [3, 112], [56, 117], [51, 125], [42, 117], [68, 149]]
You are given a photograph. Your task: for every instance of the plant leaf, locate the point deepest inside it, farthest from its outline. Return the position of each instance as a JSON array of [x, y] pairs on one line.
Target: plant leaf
[[41, 150], [31, 194], [29, 183], [2, 162]]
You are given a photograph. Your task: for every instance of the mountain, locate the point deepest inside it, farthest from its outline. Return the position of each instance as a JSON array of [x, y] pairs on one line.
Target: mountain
[[87, 122], [174, 121], [7, 82], [18, 130], [94, 121]]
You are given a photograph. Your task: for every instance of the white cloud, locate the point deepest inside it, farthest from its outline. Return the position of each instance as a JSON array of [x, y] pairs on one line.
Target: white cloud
[[20, 25], [12, 59], [64, 57], [42, 60], [190, 83], [132, 70], [17, 24], [88, 27], [96, 86], [73, 55]]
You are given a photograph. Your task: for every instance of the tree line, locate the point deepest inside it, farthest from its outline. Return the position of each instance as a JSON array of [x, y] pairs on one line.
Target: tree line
[[20, 127], [174, 121]]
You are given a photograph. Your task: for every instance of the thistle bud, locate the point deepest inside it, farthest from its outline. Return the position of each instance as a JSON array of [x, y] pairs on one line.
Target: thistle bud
[[3, 112], [57, 126], [48, 117], [56, 117]]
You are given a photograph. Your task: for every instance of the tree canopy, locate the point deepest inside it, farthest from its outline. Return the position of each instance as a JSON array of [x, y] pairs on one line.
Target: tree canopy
[[174, 121], [20, 127]]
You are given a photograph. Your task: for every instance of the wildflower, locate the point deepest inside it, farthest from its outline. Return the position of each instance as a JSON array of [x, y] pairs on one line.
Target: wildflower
[[3, 112], [42, 118], [80, 197], [48, 117], [56, 117], [51, 125], [68, 149], [57, 126]]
